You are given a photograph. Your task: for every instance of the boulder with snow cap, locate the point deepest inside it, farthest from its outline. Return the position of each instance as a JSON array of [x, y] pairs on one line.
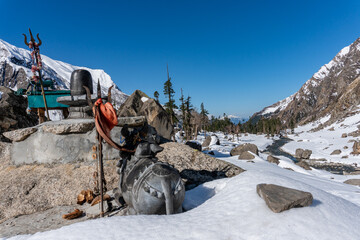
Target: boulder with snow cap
[[246, 156], [244, 148]]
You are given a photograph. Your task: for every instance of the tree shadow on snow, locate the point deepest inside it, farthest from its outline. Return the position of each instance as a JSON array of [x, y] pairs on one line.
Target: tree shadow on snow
[[197, 196], [194, 178]]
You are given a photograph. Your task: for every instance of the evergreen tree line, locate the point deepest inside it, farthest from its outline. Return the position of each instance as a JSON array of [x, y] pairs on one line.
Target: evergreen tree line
[[191, 120], [264, 125]]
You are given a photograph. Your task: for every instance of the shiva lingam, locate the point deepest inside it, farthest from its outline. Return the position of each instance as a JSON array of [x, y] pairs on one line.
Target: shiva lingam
[[77, 101]]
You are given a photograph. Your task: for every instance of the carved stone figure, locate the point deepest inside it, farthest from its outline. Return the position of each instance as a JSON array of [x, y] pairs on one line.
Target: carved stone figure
[[146, 185]]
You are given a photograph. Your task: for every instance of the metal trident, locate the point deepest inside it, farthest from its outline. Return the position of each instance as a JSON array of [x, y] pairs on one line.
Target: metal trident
[[32, 39]]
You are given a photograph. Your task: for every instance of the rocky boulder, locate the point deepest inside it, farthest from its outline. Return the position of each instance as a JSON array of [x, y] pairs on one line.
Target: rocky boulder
[[207, 141], [246, 156], [336, 152], [303, 154], [280, 198], [304, 165], [139, 104], [13, 112], [356, 148], [244, 148], [196, 167], [355, 182], [272, 159]]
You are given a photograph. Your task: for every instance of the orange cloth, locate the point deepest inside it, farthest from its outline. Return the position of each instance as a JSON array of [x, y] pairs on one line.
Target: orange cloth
[[108, 116]]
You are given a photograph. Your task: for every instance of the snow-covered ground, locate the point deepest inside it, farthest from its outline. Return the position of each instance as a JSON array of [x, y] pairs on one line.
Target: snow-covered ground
[[322, 143], [231, 209]]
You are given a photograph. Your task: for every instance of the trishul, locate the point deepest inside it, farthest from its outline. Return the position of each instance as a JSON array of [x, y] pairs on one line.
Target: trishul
[[32, 40], [33, 45]]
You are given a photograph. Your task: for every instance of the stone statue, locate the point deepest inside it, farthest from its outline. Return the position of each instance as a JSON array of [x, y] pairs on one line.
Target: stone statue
[[147, 185]]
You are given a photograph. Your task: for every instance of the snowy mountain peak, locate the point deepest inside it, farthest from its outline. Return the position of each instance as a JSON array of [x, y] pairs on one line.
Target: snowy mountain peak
[[320, 95]]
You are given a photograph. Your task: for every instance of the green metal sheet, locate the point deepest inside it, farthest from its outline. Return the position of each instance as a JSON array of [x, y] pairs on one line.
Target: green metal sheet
[[37, 101]]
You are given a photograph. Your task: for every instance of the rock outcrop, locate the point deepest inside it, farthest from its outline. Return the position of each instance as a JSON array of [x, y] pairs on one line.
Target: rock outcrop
[[139, 104], [196, 167], [13, 112], [280, 198]]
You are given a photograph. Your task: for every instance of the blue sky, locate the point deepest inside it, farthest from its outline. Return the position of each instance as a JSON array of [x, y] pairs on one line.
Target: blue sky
[[235, 56]]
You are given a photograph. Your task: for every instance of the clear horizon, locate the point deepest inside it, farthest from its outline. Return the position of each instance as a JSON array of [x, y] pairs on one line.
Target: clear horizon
[[236, 57]]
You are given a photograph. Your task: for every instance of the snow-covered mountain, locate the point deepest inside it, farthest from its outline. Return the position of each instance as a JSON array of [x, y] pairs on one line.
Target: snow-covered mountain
[[334, 90], [15, 70], [236, 119]]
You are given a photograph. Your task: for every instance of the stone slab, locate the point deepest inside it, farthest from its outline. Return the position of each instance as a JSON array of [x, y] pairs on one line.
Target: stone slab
[[279, 198], [20, 134]]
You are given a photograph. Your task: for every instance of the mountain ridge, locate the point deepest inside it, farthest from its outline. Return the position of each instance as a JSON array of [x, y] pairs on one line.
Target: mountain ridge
[[323, 92]]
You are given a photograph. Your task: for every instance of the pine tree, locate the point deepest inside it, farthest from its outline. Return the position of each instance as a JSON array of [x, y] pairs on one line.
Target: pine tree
[[188, 109], [204, 118], [156, 96], [170, 105], [183, 109]]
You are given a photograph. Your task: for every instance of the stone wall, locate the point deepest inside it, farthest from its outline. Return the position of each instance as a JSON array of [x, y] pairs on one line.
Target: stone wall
[[66, 141]]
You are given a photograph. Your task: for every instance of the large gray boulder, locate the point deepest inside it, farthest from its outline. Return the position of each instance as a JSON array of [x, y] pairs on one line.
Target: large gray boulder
[[139, 104], [280, 198], [196, 167], [244, 148]]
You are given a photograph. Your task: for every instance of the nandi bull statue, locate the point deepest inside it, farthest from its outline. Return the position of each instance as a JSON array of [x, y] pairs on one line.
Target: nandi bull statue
[[147, 185]]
